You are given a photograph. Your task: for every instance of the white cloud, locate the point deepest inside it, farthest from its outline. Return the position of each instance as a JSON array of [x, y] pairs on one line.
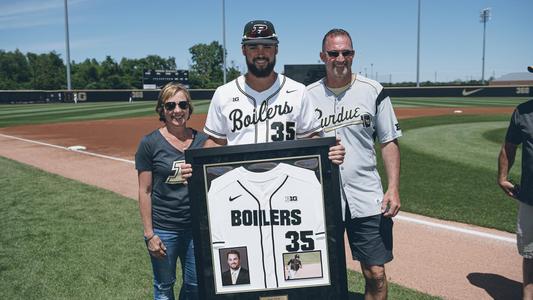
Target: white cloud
[[26, 14], [26, 7]]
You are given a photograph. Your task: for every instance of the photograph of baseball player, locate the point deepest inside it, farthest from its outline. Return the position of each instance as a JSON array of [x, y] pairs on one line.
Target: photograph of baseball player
[[303, 265], [261, 106], [293, 266], [236, 269], [163, 198], [359, 111]]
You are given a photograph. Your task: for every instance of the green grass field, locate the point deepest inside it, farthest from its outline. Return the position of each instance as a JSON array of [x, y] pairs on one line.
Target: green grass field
[[62, 239], [448, 162], [449, 168]]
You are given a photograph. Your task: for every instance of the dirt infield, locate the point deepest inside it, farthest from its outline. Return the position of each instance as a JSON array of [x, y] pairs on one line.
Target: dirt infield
[[450, 263]]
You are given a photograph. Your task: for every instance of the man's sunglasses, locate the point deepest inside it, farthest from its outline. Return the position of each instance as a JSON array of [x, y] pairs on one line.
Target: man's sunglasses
[[172, 105], [345, 53]]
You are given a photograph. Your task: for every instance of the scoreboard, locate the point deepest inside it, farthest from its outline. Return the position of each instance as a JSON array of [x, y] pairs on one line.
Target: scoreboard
[[156, 79], [305, 74]]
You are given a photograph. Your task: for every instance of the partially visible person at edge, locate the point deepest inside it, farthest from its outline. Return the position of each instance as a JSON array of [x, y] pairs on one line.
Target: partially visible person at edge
[[520, 131], [358, 110], [163, 196], [261, 106]]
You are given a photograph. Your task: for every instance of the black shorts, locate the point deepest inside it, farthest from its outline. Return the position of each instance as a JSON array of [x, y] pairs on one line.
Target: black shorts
[[370, 239]]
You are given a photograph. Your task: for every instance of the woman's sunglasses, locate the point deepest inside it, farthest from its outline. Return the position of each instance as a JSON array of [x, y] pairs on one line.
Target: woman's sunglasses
[[172, 105]]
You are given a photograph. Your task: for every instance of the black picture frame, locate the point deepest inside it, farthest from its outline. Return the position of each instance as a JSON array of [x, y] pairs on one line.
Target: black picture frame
[[327, 282]]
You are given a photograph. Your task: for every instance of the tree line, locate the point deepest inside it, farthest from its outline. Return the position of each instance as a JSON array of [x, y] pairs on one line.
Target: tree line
[[47, 71]]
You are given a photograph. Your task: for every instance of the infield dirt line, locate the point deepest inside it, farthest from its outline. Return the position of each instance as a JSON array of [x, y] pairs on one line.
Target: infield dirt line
[[68, 149]]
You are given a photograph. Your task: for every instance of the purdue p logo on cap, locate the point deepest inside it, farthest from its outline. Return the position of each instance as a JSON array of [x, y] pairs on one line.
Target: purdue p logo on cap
[[259, 32]]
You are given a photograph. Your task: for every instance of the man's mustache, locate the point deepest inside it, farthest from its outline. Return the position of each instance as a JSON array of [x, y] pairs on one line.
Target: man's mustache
[[261, 57]]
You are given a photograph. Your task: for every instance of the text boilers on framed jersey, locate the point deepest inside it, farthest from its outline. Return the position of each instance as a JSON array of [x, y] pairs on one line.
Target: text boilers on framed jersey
[[257, 207]]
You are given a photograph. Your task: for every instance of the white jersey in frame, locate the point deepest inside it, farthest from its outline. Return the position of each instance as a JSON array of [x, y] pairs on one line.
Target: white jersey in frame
[[270, 214]]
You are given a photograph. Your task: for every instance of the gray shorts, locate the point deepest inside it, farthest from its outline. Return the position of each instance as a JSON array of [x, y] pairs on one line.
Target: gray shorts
[[370, 239], [524, 230]]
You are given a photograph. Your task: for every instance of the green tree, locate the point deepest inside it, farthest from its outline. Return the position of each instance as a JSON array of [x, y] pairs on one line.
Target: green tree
[[232, 72], [48, 71], [85, 73], [206, 69], [15, 71]]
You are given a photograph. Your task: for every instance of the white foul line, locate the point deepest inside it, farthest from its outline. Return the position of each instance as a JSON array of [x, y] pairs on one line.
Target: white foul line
[[456, 229], [399, 217], [66, 148]]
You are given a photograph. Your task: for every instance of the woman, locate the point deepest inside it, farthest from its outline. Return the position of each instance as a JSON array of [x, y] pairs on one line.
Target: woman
[[163, 195]]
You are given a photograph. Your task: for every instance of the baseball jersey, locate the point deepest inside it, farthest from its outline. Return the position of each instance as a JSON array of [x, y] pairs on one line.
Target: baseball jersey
[[357, 116], [270, 213], [170, 198], [520, 131], [242, 115]]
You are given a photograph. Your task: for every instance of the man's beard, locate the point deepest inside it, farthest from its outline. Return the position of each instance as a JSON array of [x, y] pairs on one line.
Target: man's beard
[[264, 72], [340, 74]]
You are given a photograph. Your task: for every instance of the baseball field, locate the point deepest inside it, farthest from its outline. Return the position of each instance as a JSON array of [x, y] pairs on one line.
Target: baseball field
[[63, 238]]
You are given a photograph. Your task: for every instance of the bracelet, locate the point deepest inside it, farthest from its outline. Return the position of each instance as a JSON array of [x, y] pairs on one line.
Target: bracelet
[[148, 239]]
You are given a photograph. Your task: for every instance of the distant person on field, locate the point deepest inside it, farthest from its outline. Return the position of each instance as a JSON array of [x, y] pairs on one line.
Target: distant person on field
[[520, 131], [359, 112], [163, 195]]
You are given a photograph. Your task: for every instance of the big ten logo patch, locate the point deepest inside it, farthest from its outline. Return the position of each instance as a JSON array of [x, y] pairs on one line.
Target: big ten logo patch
[[176, 177], [291, 198]]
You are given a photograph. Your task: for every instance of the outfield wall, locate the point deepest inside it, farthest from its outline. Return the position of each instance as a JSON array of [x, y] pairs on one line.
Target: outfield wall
[[61, 96]]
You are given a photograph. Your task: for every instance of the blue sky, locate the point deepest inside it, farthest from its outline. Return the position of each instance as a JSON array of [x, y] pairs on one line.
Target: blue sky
[[384, 32]]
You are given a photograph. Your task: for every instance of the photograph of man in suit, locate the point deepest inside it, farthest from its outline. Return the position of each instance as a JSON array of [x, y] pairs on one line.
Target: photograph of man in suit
[[236, 273]]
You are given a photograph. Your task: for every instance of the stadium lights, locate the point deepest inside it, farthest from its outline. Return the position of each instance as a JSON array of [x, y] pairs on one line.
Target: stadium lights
[[484, 18], [224, 39], [67, 46], [418, 49]]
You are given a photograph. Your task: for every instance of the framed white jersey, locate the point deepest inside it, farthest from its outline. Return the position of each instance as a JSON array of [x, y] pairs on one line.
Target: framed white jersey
[[270, 214], [258, 207]]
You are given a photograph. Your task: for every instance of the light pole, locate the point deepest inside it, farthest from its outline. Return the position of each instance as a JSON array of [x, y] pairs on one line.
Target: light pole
[[371, 70], [224, 39], [485, 17], [418, 49], [69, 87]]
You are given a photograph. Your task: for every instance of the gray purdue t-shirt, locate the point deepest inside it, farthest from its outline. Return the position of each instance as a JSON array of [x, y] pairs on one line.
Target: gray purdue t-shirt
[[170, 198], [520, 131]]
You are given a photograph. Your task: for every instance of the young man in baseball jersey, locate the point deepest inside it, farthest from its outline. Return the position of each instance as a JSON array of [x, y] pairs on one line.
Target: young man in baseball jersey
[[261, 105], [357, 110]]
